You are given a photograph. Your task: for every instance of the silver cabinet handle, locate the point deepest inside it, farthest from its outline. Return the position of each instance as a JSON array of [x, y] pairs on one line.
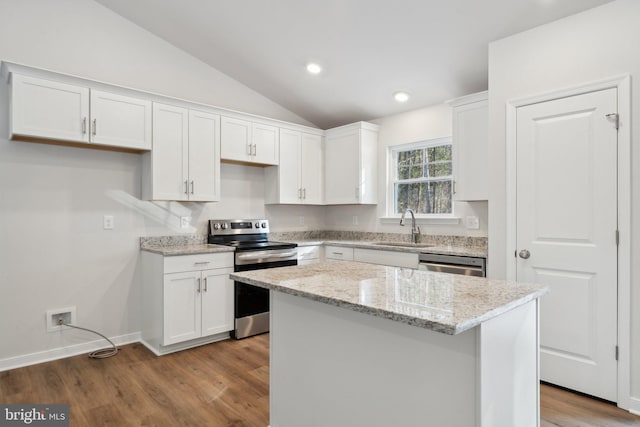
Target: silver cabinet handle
[[205, 284], [95, 126], [454, 187], [524, 254], [191, 186], [304, 193], [201, 262], [299, 193], [186, 187], [254, 150], [337, 253], [199, 285], [84, 125]]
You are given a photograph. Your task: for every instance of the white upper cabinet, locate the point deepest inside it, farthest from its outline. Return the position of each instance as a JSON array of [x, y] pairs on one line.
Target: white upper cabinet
[[298, 179], [351, 161], [247, 142], [46, 109], [470, 147], [185, 161], [120, 121]]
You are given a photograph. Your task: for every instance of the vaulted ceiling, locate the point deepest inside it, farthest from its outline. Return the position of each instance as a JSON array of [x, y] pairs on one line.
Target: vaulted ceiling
[[369, 49]]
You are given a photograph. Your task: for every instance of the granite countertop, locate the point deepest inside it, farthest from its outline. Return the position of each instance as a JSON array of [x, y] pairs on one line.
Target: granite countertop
[[400, 247], [445, 303], [173, 250]]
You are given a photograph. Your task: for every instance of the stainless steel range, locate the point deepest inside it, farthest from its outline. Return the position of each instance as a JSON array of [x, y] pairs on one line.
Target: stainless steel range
[[253, 251]]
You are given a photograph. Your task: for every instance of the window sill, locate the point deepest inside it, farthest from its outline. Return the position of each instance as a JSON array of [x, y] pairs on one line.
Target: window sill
[[422, 220]]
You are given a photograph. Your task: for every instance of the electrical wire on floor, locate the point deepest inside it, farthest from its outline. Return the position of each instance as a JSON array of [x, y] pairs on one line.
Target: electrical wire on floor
[[103, 353]]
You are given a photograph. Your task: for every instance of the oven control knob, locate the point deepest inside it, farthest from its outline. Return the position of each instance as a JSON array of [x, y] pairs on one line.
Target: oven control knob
[[223, 225], [257, 225], [216, 226], [264, 225]]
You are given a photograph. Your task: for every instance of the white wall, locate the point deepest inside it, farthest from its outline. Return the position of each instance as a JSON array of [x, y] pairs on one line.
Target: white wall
[[53, 250], [590, 46], [416, 125]]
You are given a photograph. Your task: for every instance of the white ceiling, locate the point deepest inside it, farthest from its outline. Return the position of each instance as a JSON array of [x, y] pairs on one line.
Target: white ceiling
[[435, 50]]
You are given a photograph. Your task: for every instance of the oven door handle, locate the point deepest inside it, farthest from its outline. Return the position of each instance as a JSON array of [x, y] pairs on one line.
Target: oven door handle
[[263, 256]]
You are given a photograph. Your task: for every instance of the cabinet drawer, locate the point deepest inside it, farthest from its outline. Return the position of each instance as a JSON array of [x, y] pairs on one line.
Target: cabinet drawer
[[175, 264], [308, 252], [392, 258], [337, 252]]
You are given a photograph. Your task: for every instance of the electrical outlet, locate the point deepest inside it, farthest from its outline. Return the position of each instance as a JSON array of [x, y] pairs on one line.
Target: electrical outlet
[[57, 317], [354, 220], [108, 222], [185, 221], [301, 220], [472, 222]]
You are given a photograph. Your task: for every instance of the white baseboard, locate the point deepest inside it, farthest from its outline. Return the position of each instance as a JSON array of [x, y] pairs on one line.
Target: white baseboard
[[62, 352], [634, 405]]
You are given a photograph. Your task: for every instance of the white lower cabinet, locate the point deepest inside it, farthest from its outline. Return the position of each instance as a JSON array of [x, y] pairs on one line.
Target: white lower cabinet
[[392, 258], [338, 253], [308, 255], [188, 300]]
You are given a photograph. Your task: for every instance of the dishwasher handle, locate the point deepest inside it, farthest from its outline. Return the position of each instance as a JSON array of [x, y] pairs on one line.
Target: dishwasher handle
[[465, 270]]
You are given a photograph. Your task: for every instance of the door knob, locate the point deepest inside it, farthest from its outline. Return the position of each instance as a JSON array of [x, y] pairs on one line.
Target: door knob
[[524, 254]]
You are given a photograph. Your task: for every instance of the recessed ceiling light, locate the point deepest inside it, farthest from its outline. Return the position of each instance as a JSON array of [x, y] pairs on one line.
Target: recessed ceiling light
[[314, 68], [401, 96]]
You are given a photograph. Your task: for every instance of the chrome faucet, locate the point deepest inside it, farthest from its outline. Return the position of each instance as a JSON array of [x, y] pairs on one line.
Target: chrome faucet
[[415, 231]]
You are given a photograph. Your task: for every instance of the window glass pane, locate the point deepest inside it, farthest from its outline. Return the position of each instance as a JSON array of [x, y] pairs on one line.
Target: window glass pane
[[439, 169], [404, 172], [439, 197]]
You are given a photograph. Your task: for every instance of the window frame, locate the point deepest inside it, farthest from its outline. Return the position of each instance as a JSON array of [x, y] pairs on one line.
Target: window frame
[[392, 175]]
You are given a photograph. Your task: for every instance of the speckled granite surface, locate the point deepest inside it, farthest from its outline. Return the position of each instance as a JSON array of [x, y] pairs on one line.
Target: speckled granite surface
[[444, 303], [180, 245]]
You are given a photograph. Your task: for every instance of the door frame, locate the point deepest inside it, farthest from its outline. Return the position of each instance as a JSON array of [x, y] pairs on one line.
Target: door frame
[[623, 85]]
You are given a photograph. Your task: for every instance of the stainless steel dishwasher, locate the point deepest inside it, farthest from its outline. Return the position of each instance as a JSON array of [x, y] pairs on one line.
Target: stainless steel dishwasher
[[454, 264]]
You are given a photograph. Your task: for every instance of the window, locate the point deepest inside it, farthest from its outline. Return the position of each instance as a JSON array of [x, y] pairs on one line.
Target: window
[[421, 177]]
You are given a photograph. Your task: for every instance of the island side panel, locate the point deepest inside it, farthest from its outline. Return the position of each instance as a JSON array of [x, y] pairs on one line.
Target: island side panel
[[335, 367], [509, 368]]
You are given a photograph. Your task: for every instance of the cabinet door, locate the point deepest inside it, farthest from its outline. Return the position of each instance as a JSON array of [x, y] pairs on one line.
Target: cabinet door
[[265, 144], [170, 153], [235, 137], [46, 109], [217, 301], [311, 169], [289, 167], [204, 156], [182, 307], [342, 169], [120, 121], [470, 146]]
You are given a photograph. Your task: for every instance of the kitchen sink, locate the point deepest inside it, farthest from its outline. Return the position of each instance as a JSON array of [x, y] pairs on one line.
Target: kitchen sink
[[404, 244]]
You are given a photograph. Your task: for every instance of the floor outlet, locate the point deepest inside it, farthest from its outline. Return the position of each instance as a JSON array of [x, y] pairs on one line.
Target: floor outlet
[[58, 317]]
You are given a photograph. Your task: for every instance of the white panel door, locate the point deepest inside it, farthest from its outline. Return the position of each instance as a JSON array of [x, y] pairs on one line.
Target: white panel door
[[204, 156], [342, 173], [46, 109], [120, 121], [170, 152], [311, 169], [235, 137], [265, 144], [289, 167], [182, 307], [567, 221], [217, 301]]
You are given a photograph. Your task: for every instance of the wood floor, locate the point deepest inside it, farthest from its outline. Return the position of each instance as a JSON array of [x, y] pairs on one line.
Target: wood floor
[[223, 384]]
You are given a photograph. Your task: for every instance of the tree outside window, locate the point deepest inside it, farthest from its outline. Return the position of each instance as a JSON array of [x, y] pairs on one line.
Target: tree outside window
[[422, 177]]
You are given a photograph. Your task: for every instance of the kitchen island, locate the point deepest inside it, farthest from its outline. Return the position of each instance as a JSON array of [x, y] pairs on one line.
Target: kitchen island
[[356, 344]]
